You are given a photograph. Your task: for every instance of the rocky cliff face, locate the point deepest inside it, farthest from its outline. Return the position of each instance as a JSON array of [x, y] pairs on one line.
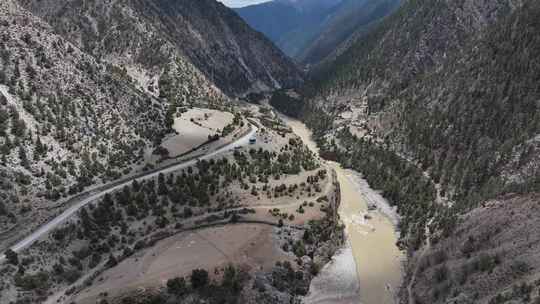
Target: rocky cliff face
[[299, 21], [149, 36], [349, 20]]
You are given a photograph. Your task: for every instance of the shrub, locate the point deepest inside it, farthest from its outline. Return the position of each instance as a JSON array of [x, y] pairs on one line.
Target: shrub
[[199, 278], [176, 286], [39, 280], [12, 257], [441, 274]]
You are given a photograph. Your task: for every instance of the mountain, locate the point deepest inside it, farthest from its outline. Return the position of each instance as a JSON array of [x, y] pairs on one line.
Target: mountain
[[152, 35], [67, 120], [348, 20], [453, 73], [438, 106], [308, 30], [278, 19], [89, 89]]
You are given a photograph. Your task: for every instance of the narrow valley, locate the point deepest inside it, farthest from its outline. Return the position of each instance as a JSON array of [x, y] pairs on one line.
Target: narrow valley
[[269, 152]]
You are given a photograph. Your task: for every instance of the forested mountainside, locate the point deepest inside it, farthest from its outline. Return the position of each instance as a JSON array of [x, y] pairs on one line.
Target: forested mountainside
[[65, 118], [90, 89], [462, 102], [492, 257], [419, 36], [308, 30], [148, 37], [439, 107]]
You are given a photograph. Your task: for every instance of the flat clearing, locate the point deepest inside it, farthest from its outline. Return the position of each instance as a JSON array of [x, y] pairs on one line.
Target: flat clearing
[[242, 244], [193, 128]]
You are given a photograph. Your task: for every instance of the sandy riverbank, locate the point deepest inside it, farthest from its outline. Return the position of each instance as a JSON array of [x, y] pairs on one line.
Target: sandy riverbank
[[371, 252], [373, 197], [337, 283], [373, 240]]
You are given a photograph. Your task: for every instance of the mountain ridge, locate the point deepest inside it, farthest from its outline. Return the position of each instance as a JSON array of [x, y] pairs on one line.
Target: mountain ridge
[[310, 31], [210, 36]]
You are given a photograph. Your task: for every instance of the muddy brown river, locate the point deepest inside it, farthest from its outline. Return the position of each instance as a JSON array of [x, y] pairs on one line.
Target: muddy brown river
[[371, 250]]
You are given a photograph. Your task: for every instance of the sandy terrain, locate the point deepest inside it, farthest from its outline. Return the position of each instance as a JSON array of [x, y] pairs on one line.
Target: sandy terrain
[[372, 197], [193, 128], [337, 283], [301, 130], [245, 244], [378, 259]]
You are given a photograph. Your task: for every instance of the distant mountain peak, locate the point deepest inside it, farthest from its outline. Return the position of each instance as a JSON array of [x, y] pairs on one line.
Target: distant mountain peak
[[307, 5], [310, 30]]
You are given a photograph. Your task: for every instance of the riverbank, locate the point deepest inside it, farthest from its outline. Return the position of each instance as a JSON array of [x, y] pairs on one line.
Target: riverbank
[[337, 283], [371, 237], [373, 198]]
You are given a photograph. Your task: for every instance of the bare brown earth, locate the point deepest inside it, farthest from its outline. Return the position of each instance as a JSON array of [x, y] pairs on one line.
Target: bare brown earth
[[495, 251], [250, 245], [193, 128], [253, 246]]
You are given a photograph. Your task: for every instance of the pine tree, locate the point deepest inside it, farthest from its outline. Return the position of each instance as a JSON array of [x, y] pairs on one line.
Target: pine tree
[[41, 149], [23, 158], [12, 257], [162, 187], [18, 127], [112, 261], [3, 77]]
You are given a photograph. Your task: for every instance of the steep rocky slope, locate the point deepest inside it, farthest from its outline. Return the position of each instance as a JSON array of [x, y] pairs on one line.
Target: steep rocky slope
[[492, 257], [291, 15], [148, 37], [66, 120], [350, 20], [416, 38]]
